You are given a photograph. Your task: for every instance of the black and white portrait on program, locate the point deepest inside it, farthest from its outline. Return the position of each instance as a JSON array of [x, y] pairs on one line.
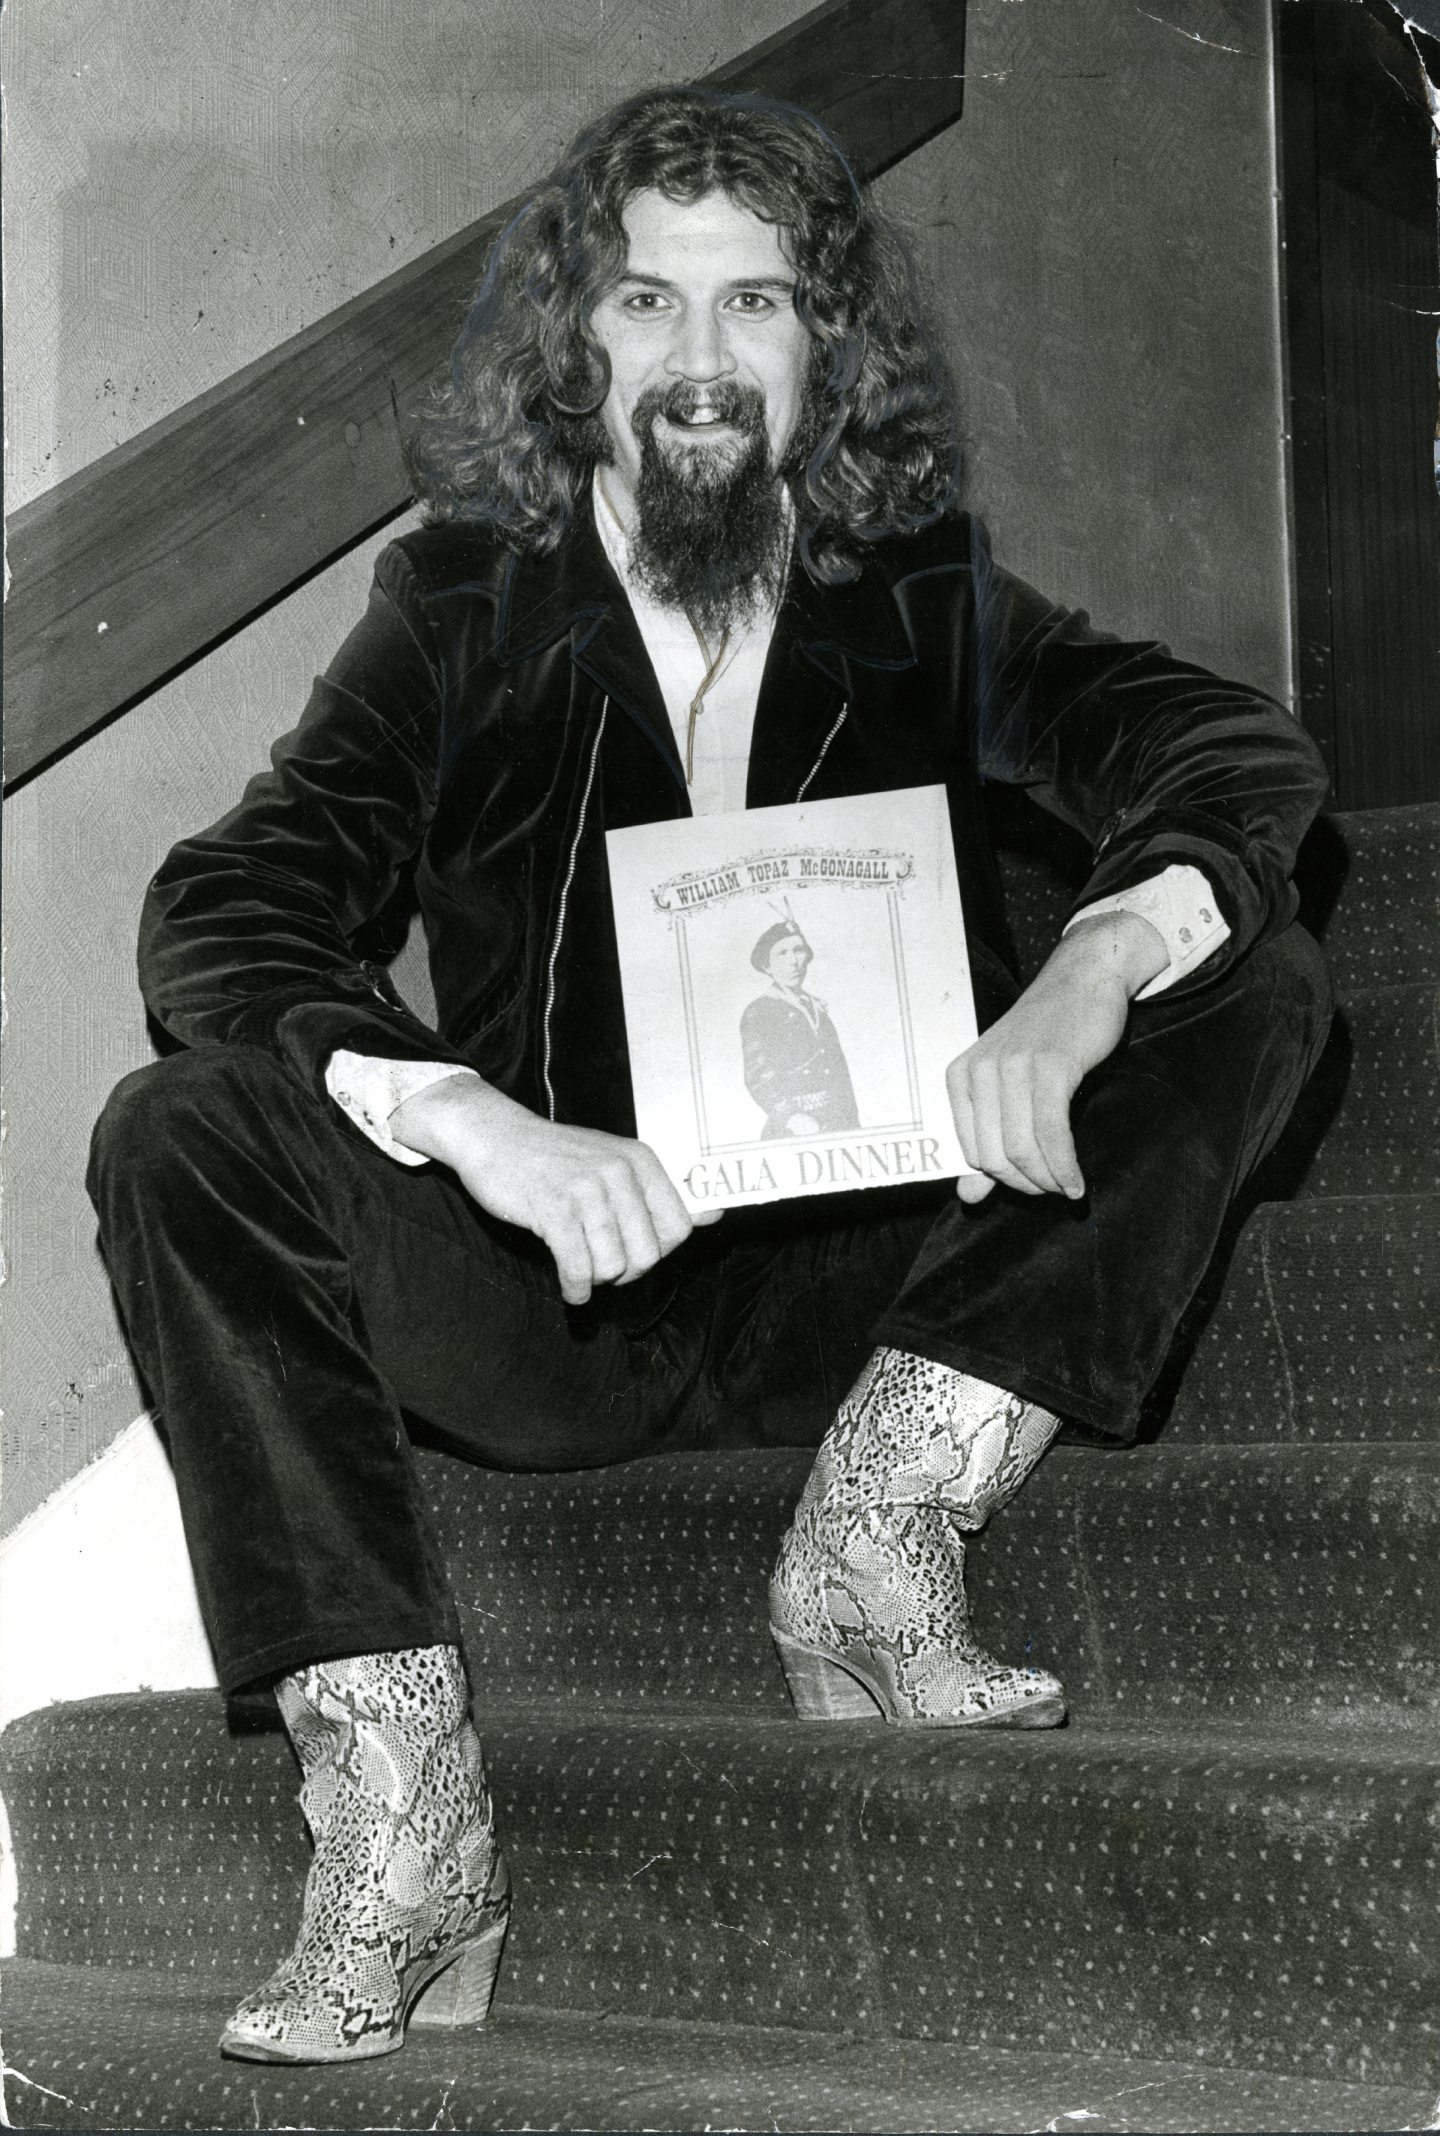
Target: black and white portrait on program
[[794, 1064]]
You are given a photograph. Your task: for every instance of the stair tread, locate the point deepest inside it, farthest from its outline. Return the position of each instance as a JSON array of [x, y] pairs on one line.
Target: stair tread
[[1153, 1890], [176, 1729], [136, 2050], [1320, 1323], [1381, 919], [1365, 1121], [1369, 883], [1307, 1577], [1086, 1574]]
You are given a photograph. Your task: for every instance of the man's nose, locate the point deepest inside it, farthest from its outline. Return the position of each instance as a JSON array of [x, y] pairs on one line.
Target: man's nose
[[699, 349]]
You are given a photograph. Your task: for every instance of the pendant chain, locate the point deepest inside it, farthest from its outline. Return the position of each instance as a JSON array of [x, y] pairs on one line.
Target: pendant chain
[[714, 667]]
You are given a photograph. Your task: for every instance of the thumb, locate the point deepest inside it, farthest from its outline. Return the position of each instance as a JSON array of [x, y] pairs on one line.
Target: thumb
[[974, 1186]]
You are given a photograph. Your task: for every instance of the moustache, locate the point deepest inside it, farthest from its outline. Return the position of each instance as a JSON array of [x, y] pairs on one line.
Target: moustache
[[743, 407]]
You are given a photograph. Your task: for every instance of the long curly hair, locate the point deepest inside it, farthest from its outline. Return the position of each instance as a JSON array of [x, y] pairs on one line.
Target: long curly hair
[[510, 438]]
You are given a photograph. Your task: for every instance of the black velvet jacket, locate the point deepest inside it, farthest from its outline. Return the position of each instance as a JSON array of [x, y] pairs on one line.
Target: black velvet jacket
[[491, 717]]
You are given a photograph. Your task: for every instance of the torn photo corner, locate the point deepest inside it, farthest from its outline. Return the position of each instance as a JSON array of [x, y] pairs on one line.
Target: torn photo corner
[[796, 984]]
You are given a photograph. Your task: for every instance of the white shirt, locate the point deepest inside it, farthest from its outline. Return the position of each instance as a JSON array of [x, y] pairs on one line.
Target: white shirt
[[726, 717], [1179, 903]]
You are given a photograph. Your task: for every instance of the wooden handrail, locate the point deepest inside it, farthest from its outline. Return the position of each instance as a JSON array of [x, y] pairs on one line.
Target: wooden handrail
[[129, 570]]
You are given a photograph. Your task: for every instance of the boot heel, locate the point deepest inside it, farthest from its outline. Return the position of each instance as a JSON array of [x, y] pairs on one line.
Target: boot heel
[[820, 1689], [462, 1993]]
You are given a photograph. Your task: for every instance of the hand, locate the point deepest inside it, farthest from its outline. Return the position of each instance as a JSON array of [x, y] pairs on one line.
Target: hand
[[1011, 1092], [802, 1124], [602, 1204]]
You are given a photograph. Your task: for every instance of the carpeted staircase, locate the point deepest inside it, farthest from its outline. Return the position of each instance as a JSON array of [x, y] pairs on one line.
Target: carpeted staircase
[[1211, 1902]]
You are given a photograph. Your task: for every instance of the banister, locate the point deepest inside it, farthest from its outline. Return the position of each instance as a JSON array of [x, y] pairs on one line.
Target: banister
[[130, 569]]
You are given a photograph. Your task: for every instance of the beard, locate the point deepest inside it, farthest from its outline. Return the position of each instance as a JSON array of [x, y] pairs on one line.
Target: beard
[[712, 531]]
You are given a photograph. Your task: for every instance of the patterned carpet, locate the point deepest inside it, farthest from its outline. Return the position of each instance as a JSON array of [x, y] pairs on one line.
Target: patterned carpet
[[1211, 1902]]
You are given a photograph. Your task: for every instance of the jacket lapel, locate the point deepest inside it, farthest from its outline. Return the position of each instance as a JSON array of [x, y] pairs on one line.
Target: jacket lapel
[[612, 653], [821, 634], [575, 592]]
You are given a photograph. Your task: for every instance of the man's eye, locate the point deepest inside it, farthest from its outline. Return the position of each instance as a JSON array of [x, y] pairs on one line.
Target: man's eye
[[753, 301]]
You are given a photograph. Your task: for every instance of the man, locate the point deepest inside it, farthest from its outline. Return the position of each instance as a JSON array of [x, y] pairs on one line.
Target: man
[[795, 1067], [692, 546]]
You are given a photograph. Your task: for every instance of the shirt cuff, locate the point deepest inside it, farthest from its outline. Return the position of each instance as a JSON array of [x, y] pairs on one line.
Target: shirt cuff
[[1180, 905], [369, 1090]]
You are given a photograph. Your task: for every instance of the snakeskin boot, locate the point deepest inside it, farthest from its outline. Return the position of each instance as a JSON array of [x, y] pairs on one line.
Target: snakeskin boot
[[867, 1601], [408, 1895]]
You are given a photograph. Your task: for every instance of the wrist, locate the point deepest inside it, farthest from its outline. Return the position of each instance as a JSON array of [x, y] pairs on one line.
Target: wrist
[[435, 1120], [1117, 948]]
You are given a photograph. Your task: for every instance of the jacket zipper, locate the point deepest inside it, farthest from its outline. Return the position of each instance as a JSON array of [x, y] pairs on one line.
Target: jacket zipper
[[564, 901], [824, 746]]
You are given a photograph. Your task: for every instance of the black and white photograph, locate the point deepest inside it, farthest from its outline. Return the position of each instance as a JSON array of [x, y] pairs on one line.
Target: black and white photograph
[[719, 1066], [751, 1084], [792, 1058]]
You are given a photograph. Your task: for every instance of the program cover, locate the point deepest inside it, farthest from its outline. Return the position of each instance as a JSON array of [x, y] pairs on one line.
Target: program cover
[[796, 984]]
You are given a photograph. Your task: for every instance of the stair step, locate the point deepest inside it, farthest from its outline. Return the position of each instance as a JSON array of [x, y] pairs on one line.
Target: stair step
[[1323, 1325], [1207, 1578], [637, 1587], [1269, 1584], [1203, 1894], [1150, 1894], [1370, 887], [1369, 884], [136, 2050], [1202, 1579], [1195, 1578], [1365, 1122]]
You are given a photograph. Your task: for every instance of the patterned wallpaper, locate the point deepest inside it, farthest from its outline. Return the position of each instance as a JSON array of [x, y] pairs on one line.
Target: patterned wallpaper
[[1101, 233]]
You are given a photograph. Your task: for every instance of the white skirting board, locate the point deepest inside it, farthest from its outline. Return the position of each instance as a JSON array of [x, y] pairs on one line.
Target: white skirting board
[[96, 1592], [97, 1596]]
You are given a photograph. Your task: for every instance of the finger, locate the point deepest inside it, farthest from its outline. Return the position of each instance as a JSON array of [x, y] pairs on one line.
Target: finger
[[671, 1219], [1017, 1114], [1053, 1132], [638, 1237], [970, 1186], [604, 1236], [991, 1154], [708, 1216], [564, 1235], [957, 1078]]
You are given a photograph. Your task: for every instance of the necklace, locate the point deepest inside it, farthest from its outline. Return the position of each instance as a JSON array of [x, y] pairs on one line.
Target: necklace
[[714, 668], [715, 663]]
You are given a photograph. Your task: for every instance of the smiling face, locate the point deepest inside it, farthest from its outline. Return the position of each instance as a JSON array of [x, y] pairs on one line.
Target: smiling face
[[707, 353]]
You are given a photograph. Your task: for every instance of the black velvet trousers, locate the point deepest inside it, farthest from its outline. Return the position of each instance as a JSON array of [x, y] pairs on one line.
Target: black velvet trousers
[[299, 1304]]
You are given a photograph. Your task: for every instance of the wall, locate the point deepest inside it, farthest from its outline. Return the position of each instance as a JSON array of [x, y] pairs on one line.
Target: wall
[[184, 188], [1101, 228], [1102, 225]]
